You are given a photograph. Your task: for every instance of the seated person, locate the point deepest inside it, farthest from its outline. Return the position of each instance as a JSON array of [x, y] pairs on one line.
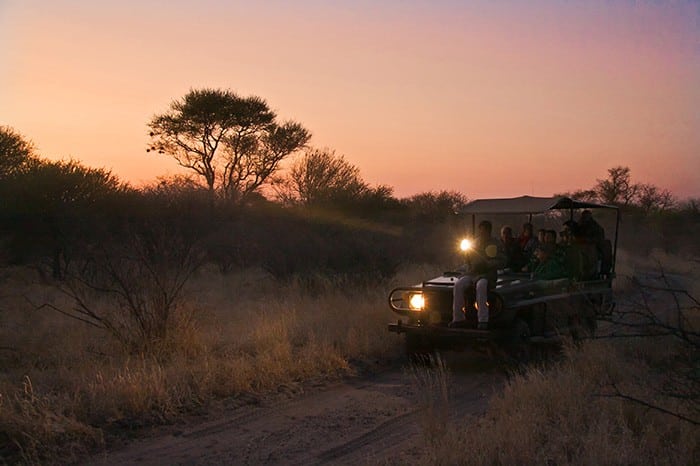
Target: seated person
[[527, 241], [550, 237], [511, 248], [565, 236], [548, 267], [480, 272], [570, 226], [540, 235], [533, 262], [529, 261], [588, 238], [562, 249], [588, 229]]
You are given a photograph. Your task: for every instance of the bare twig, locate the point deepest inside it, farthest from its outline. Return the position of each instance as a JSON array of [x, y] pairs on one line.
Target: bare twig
[[642, 318], [620, 395]]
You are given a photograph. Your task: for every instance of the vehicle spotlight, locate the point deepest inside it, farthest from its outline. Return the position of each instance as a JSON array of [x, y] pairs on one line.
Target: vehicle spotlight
[[416, 302], [465, 245]]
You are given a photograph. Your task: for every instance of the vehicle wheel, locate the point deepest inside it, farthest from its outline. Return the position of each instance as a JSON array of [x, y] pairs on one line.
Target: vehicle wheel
[[418, 349], [519, 346]]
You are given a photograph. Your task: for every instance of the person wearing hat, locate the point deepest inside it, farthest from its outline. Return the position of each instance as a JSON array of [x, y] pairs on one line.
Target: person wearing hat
[[548, 268]]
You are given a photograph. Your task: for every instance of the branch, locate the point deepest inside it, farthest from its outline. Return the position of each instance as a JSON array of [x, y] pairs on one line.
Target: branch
[[61, 311], [619, 394]]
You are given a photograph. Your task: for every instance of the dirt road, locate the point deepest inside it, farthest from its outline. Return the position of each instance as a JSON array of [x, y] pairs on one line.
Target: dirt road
[[372, 419]]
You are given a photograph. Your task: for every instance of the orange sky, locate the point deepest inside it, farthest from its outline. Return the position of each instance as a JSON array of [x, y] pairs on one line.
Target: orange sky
[[493, 99]]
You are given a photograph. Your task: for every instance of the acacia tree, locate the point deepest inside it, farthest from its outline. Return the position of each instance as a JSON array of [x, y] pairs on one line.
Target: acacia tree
[[651, 198], [233, 142], [617, 188], [321, 177]]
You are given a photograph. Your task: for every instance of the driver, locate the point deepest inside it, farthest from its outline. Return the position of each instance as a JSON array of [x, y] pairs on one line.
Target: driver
[[480, 271]]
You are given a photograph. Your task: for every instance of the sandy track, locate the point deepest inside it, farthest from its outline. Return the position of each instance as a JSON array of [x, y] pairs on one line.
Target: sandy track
[[363, 420]]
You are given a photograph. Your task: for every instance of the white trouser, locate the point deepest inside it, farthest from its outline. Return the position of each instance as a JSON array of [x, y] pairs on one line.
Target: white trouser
[[482, 289]]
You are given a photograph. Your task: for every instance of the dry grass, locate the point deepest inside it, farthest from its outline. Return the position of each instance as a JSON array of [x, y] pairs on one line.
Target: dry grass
[[433, 381], [558, 416], [568, 414], [63, 383]]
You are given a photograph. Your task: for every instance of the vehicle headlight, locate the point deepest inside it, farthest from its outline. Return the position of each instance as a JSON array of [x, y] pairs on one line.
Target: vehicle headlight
[[465, 245], [416, 301]]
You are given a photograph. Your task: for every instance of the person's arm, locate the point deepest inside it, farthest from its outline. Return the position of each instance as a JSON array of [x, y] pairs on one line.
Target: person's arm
[[549, 271]]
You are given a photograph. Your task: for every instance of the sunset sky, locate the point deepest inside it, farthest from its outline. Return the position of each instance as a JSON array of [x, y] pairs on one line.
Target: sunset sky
[[490, 98]]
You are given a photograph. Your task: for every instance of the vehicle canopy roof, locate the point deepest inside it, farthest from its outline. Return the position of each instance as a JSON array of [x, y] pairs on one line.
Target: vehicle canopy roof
[[528, 205], [536, 205]]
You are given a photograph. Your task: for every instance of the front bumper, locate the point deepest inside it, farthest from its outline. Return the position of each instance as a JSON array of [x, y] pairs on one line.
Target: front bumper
[[439, 331]]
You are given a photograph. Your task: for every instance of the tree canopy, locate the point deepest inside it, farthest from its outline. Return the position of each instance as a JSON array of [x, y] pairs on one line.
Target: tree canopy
[[234, 143], [618, 189], [321, 177], [16, 152]]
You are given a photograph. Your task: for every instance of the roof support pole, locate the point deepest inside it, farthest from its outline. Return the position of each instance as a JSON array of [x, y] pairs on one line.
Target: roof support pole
[[617, 231]]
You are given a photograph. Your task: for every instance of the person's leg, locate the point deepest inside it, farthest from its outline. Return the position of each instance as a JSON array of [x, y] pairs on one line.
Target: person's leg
[[482, 290], [460, 288]]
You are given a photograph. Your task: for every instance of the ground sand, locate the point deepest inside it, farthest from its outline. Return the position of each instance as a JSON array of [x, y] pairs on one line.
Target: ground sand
[[370, 419]]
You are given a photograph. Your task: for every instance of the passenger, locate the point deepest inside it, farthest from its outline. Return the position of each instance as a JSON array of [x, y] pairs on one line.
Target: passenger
[[480, 272], [550, 237], [540, 236], [527, 241], [548, 268], [565, 236], [532, 261], [511, 249], [589, 235], [562, 250], [572, 227], [589, 229]]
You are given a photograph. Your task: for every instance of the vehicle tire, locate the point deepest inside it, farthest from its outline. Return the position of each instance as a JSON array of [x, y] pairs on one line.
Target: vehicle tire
[[419, 350], [519, 346]]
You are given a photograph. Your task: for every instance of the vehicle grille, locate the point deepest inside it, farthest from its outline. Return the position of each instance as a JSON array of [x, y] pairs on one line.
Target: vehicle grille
[[439, 301]]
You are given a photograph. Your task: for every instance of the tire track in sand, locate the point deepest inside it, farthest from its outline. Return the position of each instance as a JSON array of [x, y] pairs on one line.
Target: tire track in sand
[[365, 420]]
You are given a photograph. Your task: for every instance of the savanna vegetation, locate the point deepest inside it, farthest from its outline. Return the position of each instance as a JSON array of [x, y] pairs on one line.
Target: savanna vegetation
[[124, 306], [628, 396]]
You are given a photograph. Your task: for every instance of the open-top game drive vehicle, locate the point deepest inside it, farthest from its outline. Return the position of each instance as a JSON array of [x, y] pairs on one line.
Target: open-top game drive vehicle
[[523, 311]]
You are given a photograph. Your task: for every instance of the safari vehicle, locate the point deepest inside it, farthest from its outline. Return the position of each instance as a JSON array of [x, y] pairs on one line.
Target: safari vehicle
[[523, 312]]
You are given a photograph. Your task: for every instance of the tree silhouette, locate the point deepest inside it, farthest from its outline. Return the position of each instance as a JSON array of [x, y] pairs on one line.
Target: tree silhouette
[[16, 152], [617, 188], [51, 206], [435, 207], [652, 198], [233, 142], [321, 177]]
